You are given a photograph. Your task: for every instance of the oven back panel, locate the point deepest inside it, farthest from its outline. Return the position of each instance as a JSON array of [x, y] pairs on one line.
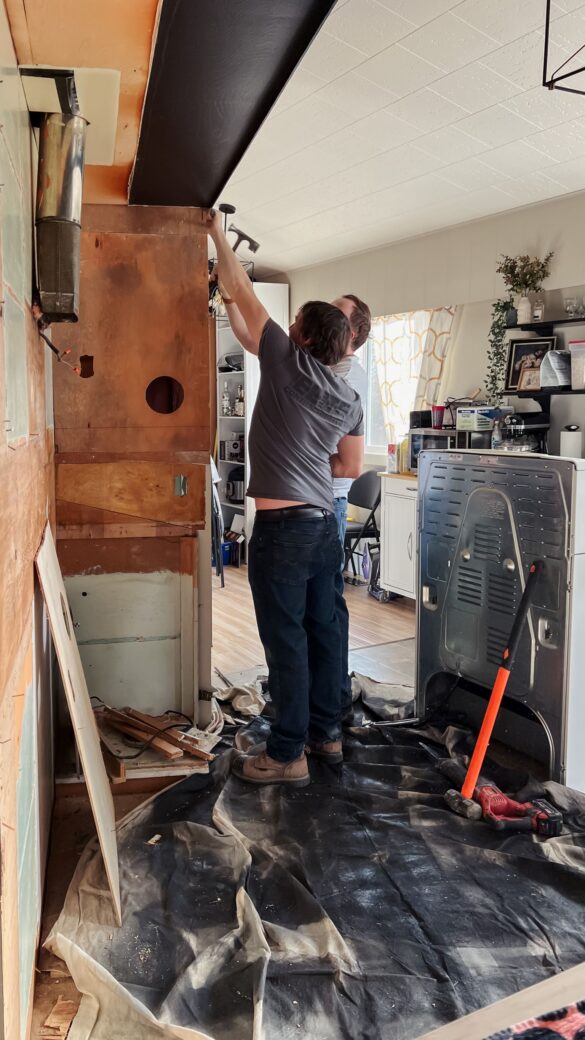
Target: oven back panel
[[483, 519]]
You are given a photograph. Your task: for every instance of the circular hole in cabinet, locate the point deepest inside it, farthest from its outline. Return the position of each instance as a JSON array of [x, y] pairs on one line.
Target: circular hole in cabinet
[[65, 616], [165, 395]]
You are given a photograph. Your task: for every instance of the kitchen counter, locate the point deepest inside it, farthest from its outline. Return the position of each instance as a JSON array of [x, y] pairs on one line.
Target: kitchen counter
[[398, 476]]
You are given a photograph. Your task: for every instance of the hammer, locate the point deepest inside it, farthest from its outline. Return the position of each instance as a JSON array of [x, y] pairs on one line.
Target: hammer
[[243, 237]]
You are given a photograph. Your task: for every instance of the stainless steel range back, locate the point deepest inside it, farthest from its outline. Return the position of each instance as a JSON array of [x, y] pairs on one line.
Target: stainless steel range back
[[482, 520]]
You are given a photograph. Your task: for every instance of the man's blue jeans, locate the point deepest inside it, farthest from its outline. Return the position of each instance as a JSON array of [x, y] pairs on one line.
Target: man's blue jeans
[[341, 608], [292, 567]]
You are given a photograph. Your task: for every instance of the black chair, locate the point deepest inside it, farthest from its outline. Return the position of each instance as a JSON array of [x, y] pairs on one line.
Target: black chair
[[365, 492]]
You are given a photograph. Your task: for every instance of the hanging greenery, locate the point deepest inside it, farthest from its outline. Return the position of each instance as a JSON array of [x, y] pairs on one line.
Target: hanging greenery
[[497, 352]]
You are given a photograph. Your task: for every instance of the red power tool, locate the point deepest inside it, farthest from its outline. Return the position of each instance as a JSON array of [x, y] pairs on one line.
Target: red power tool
[[494, 806]]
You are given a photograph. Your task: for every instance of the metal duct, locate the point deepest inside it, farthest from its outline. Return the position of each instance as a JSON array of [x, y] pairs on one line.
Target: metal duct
[[58, 214]]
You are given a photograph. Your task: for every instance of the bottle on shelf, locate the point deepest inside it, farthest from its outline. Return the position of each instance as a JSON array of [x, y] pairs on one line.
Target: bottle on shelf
[[239, 405], [497, 439], [226, 404]]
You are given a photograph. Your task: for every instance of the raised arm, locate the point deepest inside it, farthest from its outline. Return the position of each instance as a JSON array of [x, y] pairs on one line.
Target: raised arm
[[349, 458], [249, 315]]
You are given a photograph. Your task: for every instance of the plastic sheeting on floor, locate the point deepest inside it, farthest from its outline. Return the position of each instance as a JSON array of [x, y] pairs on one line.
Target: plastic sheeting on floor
[[358, 908]]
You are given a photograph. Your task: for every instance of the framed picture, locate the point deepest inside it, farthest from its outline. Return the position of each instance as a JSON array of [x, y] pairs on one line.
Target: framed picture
[[529, 377], [528, 352]]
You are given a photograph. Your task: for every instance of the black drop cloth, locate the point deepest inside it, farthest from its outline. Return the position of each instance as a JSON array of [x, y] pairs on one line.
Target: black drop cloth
[[359, 907]]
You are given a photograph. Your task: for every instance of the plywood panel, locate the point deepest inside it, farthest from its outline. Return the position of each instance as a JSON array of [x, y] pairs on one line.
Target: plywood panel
[[143, 314], [106, 35], [86, 732], [138, 489]]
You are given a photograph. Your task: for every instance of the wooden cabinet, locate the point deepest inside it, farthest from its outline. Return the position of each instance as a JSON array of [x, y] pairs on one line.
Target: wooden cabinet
[[398, 570]]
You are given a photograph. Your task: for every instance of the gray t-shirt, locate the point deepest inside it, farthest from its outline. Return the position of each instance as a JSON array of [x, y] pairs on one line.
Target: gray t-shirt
[[302, 411], [349, 368]]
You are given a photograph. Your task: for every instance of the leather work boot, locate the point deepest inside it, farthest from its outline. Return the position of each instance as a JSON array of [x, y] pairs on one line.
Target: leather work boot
[[329, 751], [262, 769]]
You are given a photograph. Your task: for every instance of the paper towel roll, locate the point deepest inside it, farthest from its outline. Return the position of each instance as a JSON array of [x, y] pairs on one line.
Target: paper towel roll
[[572, 444]]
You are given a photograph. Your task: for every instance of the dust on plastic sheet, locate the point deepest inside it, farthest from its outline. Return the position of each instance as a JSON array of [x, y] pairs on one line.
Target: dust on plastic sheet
[[357, 908]]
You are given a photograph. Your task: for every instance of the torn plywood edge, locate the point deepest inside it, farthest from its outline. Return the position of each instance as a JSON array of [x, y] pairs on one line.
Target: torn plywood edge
[[82, 717]]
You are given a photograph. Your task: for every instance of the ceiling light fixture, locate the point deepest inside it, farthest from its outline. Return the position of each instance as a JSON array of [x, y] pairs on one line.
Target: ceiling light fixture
[[553, 82]]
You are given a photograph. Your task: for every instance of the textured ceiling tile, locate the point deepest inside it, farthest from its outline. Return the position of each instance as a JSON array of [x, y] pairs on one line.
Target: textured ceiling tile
[[336, 57], [471, 174], [427, 111], [399, 70], [561, 143], [385, 128], [474, 87], [495, 126], [521, 61], [419, 11], [486, 201], [535, 187], [517, 159], [570, 174], [356, 96], [567, 5], [546, 108], [500, 19], [449, 43], [300, 85], [309, 165], [568, 32], [367, 25], [450, 144]]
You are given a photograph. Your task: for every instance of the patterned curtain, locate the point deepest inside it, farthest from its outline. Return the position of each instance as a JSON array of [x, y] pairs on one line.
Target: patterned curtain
[[409, 351]]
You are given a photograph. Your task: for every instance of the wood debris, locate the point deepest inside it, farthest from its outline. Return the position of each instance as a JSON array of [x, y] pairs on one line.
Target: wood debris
[[58, 1022]]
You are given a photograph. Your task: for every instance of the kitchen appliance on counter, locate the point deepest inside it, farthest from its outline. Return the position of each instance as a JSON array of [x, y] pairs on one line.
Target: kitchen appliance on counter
[[483, 519], [444, 440], [525, 432]]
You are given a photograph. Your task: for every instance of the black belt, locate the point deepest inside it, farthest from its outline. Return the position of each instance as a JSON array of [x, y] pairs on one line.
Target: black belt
[[294, 512]]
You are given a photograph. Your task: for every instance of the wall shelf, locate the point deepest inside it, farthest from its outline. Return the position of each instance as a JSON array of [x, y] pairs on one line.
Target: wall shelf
[[546, 391], [547, 324]]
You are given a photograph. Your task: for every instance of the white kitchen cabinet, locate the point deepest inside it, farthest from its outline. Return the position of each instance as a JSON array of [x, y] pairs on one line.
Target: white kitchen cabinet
[[398, 535]]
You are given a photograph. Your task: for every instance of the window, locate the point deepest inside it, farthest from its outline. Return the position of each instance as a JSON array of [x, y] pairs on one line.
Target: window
[[404, 359], [376, 440]]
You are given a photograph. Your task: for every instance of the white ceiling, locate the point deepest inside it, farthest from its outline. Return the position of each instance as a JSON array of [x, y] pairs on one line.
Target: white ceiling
[[406, 116]]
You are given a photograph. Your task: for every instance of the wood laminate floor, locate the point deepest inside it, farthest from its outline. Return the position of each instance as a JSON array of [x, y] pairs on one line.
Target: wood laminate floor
[[237, 646]]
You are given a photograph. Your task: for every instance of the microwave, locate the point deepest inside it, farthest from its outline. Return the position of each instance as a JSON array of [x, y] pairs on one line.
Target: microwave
[[444, 440]]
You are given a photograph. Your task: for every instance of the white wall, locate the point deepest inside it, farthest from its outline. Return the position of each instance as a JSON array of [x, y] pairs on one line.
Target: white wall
[[458, 266]]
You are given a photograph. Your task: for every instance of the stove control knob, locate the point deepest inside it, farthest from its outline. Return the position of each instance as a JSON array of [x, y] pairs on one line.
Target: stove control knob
[[466, 555], [510, 566]]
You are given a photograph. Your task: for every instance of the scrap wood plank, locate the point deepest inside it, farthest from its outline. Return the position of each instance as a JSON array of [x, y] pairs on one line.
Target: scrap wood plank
[[114, 765], [186, 741], [119, 720], [80, 709], [59, 1020]]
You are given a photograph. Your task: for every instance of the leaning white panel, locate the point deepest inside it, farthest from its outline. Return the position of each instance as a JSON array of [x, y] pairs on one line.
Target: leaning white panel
[[82, 717]]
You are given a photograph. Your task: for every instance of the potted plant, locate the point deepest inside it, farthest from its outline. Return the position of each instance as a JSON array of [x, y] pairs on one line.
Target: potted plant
[[524, 274]]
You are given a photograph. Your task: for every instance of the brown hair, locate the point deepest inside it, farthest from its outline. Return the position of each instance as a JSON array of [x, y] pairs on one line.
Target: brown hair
[[327, 331], [360, 321]]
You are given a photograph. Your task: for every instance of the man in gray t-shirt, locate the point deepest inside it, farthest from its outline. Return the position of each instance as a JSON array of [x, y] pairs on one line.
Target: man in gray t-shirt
[[307, 428]]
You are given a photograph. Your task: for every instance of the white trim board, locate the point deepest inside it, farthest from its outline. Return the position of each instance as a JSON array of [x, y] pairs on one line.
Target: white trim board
[[82, 716], [559, 991]]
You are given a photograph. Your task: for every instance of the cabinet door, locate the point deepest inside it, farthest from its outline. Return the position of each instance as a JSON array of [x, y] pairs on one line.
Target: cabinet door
[[399, 562]]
